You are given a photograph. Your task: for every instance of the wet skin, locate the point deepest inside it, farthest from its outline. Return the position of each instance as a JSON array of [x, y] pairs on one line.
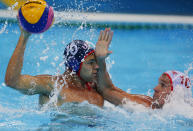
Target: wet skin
[[73, 89], [89, 69], [161, 91], [77, 90]]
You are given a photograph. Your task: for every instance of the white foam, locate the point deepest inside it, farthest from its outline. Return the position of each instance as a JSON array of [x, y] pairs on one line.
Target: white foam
[[3, 84], [46, 50], [178, 104], [38, 64], [3, 28], [56, 58], [109, 63], [43, 58], [55, 93]]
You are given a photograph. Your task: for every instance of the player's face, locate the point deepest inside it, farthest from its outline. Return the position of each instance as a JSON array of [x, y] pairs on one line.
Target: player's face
[[161, 91], [89, 69]]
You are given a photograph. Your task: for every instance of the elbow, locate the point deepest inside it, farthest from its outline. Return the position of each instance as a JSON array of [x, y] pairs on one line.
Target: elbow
[[9, 82], [7, 79]]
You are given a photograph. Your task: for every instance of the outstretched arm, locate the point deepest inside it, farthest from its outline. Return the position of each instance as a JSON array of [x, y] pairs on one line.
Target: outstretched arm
[[105, 85], [25, 83]]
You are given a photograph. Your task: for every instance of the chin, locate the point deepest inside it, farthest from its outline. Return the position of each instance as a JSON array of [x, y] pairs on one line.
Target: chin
[[91, 80], [157, 104]]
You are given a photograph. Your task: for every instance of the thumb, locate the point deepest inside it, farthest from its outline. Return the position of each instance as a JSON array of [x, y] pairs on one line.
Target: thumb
[[109, 52]]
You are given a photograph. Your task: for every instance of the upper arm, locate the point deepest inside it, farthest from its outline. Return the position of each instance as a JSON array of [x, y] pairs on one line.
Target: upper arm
[[34, 84]]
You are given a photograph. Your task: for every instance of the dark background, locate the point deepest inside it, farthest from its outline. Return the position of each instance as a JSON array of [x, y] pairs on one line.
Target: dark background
[[169, 7]]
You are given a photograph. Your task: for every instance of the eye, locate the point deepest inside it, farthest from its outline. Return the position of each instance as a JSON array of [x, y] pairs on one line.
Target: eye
[[91, 62], [162, 84]]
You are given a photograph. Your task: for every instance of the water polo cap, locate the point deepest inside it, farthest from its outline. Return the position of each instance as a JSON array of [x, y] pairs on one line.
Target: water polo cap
[[179, 79], [75, 53]]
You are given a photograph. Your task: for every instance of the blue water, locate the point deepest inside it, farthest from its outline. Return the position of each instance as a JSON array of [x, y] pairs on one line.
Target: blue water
[[175, 7], [139, 58]]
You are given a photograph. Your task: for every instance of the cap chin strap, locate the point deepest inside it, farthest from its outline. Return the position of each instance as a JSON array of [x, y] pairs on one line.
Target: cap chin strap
[[172, 88], [87, 83], [78, 73]]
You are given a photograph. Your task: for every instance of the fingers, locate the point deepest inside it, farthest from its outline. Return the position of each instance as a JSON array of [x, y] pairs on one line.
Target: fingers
[[110, 36], [106, 35], [100, 36], [107, 32]]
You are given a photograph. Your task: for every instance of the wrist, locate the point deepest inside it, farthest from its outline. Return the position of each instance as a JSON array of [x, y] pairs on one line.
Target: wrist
[[25, 34], [102, 66], [100, 61]]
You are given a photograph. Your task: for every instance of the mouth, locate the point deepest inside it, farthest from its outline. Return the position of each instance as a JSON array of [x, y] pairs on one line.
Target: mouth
[[95, 74]]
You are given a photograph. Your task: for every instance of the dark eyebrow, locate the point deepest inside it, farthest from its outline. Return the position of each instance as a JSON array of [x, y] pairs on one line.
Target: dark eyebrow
[[92, 60], [161, 80]]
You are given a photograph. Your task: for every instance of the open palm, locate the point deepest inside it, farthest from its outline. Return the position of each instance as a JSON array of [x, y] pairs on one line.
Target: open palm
[[103, 43]]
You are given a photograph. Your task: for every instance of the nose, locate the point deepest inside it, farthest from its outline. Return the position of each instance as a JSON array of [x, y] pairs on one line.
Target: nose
[[156, 88], [96, 66]]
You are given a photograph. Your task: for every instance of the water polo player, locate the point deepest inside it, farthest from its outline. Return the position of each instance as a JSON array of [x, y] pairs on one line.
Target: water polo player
[[85, 78], [169, 83], [77, 81]]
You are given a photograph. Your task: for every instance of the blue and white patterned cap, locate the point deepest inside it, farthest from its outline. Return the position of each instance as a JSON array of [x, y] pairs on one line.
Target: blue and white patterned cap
[[74, 54]]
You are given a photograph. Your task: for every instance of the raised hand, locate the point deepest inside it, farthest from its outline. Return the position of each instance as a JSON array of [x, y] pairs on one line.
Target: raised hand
[[25, 33], [103, 43]]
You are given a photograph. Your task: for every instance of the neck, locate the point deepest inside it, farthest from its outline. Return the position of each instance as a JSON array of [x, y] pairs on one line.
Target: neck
[[74, 80]]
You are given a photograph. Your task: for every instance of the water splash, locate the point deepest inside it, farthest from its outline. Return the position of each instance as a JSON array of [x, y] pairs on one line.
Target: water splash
[[188, 71], [109, 63], [4, 27], [55, 93], [13, 6], [179, 104]]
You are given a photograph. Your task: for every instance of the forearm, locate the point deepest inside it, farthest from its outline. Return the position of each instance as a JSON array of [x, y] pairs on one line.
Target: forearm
[[104, 83], [118, 97], [104, 80], [115, 95], [16, 62]]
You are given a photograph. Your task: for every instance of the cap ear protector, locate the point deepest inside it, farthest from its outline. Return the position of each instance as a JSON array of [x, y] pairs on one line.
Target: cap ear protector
[[178, 78]]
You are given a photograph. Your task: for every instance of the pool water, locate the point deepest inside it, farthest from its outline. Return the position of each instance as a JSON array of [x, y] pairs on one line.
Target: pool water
[[139, 57]]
